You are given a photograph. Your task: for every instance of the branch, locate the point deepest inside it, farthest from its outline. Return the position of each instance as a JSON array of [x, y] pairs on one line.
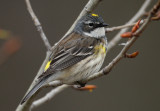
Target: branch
[[122, 26], [111, 29], [38, 25], [48, 96]]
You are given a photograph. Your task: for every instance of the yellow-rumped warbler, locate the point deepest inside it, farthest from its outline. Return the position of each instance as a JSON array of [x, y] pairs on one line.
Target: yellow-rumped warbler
[[77, 56]]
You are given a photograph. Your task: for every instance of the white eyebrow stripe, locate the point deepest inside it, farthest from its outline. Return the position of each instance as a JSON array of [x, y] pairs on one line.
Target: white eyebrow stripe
[[87, 22]]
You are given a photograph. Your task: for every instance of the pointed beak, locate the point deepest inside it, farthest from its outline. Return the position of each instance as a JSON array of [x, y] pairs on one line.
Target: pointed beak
[[101, 25], [104, 24]]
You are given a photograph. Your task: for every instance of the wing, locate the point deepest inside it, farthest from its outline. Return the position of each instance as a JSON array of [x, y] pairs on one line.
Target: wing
[[70, 53]]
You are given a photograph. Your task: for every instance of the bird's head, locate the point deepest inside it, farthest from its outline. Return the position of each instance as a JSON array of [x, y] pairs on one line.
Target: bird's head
[[91, 25]]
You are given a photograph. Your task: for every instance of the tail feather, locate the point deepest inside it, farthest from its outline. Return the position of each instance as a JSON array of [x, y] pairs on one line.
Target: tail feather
[[34, 89]]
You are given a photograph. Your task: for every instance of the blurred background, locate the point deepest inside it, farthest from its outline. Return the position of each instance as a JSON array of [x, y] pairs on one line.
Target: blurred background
[[133, 84]]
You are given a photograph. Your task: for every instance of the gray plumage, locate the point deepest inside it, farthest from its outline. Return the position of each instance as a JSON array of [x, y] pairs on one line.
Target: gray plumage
[[77, 56]]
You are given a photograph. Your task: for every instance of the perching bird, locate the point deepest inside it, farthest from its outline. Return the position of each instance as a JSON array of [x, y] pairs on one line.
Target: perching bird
[[77, 56]]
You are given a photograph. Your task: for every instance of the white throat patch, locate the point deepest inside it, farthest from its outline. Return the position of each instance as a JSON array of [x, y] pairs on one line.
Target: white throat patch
[[98, 32]]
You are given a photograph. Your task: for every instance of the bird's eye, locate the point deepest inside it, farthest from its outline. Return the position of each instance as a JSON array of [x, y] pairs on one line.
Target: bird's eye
[[90, 24]]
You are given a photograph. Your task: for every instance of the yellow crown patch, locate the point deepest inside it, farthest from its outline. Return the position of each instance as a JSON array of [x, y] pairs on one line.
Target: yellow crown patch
[[95, 15]]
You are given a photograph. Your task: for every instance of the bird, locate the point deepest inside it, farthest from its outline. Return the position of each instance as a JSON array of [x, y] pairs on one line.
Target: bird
[[77, 56]]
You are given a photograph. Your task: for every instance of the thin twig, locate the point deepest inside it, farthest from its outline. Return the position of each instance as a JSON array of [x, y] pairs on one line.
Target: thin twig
[[48, 96], [38, 25], [111, 29]]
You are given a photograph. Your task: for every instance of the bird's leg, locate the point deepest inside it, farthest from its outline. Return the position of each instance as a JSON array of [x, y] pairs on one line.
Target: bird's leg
[[81, 84]]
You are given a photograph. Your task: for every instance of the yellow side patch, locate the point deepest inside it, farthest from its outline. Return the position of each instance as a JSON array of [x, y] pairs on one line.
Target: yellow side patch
[[95, 15], [47, 65], [100, 49]]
